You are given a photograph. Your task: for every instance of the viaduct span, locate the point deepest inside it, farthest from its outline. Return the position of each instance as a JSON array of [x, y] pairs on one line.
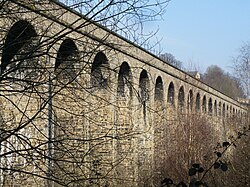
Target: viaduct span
[[96, 108]]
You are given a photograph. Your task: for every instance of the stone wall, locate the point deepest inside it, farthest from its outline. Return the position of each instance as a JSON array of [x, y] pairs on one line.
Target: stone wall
[[95, 111]]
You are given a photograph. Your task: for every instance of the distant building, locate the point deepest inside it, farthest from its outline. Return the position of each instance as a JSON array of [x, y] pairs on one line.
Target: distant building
[[195, 74]]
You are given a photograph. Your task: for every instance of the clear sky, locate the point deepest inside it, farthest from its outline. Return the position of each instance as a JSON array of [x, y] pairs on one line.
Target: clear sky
[[204, 32]]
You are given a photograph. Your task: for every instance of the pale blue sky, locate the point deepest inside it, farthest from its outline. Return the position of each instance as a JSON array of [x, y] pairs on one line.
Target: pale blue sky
[[204, 32]]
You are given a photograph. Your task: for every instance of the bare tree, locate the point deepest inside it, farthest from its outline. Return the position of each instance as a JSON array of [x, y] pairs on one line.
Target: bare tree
[[57, 128], [197, 151], [224, 82], [184, 147], [67, 113], [242, 67], [169, 58]]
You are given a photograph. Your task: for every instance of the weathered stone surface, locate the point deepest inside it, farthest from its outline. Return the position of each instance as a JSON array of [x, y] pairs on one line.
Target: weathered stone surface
[[114, 120]]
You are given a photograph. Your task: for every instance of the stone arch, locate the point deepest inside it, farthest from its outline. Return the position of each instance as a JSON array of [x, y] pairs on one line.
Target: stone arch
[[124, 87], [190, 100], [227, 111], [123, 118], [181, 98], [160, 128], [215, 108], [198, 102], [100, 71], [159, 89], [144, 90], [210, 106], [20, 36], [67, 58], [219, 109], [204, 104], [224, 110], [143, 120], [171, 93]]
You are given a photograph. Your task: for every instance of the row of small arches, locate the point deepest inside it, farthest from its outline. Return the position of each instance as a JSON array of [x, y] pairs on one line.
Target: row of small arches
[[22, 32], [194, 102]]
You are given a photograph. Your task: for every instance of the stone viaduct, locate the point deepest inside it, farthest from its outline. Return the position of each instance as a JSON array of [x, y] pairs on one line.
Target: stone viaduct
[[123, 101]]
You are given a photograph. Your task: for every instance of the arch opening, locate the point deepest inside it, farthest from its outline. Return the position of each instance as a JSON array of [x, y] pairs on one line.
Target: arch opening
[[204, 104], [198, 102], [20, 43], [215, 108], [171, 94], [144, 86], [190, 100], [100, 71], [144, 91], [124, 88], [159, 89], [224, 110], [181, 98], [210, 106], [67, 58], [227, 111]]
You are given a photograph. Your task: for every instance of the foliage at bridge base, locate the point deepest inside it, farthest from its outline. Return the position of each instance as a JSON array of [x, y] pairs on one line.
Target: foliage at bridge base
[[211, 160]]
